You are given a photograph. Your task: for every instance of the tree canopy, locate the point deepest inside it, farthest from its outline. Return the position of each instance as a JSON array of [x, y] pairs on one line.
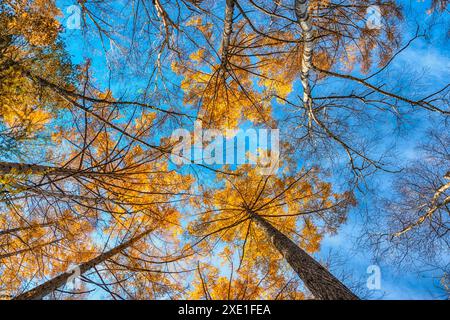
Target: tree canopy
[[88, 184]]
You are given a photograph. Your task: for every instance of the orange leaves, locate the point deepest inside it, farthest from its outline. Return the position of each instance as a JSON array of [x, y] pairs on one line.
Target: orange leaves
[[279, 71], [246, 283], [33, 119], [310, 238], [296, 206], [114, 182], [323, 60], [30, 30], [35, 21], [37, 248], [197, 56], [18, 106], [222, 102], [204, 27], [38, 30], [223, 92]]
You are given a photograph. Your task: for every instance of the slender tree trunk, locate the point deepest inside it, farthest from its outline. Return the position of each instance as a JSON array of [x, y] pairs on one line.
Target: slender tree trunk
[[64, 196], [434, 206], [322, 284], [301, 10], [227, 30], [51, 285], [25, 168], [49, 171]]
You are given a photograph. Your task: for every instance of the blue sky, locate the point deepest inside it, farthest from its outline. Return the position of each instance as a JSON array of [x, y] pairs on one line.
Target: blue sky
[[426, 56]]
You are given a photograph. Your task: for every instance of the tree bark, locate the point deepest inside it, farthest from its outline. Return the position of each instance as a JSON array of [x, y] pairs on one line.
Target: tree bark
[[24, 168], [434, 206], [301, 11], [322, 284], [227, 30], [51, 285]]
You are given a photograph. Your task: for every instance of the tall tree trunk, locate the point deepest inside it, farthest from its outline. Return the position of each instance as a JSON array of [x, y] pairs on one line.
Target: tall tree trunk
[[322, 284], [64, 196], [25, 168], [301, 11], [51, 285], [227, 31]]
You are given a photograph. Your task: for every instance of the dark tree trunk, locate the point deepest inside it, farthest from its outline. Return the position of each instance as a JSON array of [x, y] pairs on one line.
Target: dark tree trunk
[[322, 284]]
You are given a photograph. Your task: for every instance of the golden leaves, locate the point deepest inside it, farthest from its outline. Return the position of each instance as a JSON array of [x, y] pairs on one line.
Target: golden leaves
[[310, 237], [145, 121], [221, 104], [120, 186], [35, 21], [18, 106], [296, 206], [30, 32], [198, 55], [224, 93]]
